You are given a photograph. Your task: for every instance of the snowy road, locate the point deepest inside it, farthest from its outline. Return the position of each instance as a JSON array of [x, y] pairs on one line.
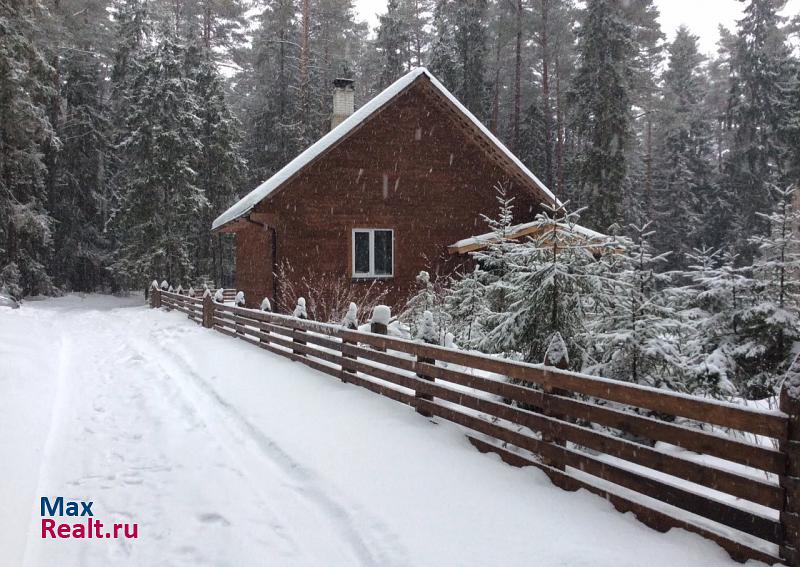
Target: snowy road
[[225, 455]]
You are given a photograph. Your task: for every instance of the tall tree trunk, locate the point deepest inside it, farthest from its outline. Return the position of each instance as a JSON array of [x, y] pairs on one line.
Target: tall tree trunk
[[559, 133], [207, 27], [548, 122], [648, 167], [517, 77], [304, 62], [496, 89]]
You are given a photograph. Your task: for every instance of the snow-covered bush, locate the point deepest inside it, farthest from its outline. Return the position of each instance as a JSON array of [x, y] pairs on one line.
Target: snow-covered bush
[[218, 296], [239, 299], [179, 291], [426, 329], [429, 295], [350, 320], [328, 295], [266, 305], [556, 354], [165, 285], [300, 309]]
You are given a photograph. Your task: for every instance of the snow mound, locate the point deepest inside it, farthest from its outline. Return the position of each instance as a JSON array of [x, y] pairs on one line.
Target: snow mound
[[381, 314]]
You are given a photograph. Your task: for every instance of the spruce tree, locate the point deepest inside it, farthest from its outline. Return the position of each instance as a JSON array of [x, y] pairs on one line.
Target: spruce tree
[[771, 324], [761, 68], [635, 339], [392, 43], [601, 102], [459, 51], [683, 166], [26, 133], [219, 167], [467, 307], [550, 280], [159, 197]]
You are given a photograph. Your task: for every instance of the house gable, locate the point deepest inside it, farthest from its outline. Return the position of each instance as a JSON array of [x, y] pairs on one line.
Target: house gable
[[439, 95]]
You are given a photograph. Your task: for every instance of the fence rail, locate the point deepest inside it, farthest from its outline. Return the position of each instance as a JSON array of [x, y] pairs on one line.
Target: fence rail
[[736, 483]]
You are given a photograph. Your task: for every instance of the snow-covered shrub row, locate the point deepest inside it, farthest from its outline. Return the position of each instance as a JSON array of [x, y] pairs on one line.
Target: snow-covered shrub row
[[328, 296], [717, 328]]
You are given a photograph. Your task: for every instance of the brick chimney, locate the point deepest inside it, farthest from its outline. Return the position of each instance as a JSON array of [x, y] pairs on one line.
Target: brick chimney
[[343, 100]]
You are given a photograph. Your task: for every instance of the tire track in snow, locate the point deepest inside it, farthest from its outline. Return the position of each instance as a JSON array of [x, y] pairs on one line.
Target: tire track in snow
[[380, 548]]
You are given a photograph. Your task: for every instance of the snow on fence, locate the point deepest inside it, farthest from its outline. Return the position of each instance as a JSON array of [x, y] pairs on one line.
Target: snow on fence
[[743, 495]]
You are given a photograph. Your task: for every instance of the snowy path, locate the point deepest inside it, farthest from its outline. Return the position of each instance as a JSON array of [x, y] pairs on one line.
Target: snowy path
[[229, 456]]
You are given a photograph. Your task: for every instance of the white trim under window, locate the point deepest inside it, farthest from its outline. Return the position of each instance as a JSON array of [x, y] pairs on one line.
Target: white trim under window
[[375, 263]]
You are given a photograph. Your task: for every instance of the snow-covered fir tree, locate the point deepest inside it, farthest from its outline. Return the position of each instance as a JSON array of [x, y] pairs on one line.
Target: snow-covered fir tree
[[683, 167], [26, 133], [714, 293], [550, 280], [159, 196], [770, 325], [467, 308], [635, 338], [761, 74], [392, 42], [219, 167]]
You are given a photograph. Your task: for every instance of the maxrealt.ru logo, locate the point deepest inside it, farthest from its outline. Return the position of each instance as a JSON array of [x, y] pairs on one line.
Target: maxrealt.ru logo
[[86, 528]]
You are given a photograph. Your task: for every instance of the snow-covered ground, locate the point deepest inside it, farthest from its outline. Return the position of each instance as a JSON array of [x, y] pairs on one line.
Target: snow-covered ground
[[227, 455]]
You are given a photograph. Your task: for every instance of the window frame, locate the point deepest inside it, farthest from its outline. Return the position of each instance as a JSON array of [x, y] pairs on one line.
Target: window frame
[[371, 274]]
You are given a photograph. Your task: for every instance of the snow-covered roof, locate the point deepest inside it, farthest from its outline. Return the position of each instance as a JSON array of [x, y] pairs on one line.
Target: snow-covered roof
[[519, 230], [246, 204]]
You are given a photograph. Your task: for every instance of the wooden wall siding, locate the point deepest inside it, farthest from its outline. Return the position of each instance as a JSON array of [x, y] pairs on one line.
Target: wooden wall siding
[[254, 264], [549, 426], [412, 168]]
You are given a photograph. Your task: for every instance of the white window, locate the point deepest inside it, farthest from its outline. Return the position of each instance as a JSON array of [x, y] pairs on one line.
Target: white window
[[373, 253]]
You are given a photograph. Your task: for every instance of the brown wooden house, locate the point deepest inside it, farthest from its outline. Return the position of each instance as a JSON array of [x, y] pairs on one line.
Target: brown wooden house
[[377, 199]]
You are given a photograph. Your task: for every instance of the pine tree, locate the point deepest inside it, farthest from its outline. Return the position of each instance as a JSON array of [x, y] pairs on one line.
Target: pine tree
[[550, 280], [26, 133], [716, 293], [459, 51], [219, 168], [683, 166], [159, 197], [268, 89], [392, 42], [467, 308], [601, 101], [771, 324], [761, 72], [635, 339]]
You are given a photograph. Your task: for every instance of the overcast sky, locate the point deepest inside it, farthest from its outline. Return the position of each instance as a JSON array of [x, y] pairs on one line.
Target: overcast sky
[[702, 16]]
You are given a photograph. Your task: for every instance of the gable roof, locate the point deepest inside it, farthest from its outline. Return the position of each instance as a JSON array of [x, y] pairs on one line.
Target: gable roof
[[321, 146]]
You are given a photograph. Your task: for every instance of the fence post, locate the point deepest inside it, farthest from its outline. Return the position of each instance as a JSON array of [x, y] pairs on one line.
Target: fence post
[[379, 323], [300, 313], [429, 335], [558, 357], [155, 295], [350, 323], [208, 309], [790, 480], [421, 375]]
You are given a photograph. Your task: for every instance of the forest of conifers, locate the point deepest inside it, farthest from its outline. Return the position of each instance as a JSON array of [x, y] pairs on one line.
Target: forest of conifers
[[127, 126]]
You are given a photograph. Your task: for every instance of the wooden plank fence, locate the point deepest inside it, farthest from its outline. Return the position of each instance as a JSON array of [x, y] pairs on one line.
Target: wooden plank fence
[[739, 493]]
